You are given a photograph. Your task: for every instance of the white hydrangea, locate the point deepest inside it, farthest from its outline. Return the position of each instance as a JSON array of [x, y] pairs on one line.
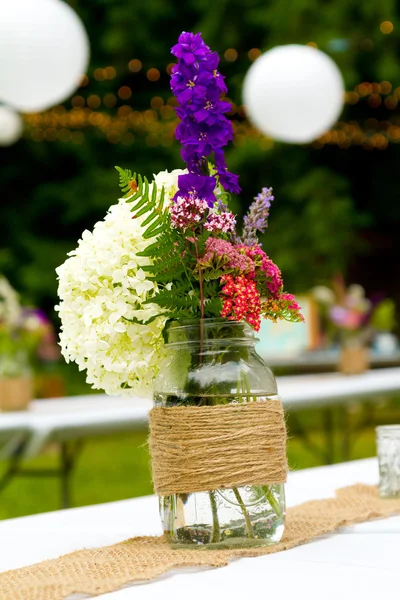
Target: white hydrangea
[[101, 286], [169, 180], [10, 308]]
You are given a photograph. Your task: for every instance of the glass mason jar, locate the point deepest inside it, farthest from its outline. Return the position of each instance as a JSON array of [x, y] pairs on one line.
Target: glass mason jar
[[212, 362], [388, 446]]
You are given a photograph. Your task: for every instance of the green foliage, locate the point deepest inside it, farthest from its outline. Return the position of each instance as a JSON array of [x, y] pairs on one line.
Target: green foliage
[[125, 181], [384, 316], [311, 231]]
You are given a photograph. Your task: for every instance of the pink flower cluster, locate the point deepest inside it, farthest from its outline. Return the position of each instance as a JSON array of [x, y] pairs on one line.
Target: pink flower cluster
[[272, 273], [233, 257], [188, 211], [225, 222], [291, 303], [347, 317], [242, 300]]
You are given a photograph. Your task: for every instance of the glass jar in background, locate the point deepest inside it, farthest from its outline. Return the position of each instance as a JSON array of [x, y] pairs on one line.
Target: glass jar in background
[[210, 363], [388, 449], [16, 381]]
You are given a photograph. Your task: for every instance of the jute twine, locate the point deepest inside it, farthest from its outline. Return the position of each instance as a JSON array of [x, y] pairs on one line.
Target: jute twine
[[200, 448], [101, 570]]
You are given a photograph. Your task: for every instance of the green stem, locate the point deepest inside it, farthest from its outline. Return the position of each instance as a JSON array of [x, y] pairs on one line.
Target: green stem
[[242, 505], [247, 388], [271, 499], [216, 531]]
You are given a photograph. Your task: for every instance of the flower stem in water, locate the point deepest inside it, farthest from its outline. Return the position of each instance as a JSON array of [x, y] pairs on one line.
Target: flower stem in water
[[272, 501], [242, 505]]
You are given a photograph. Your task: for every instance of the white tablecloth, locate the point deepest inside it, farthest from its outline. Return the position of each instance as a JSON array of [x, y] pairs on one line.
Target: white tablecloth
[[359, 563], [86, 416]]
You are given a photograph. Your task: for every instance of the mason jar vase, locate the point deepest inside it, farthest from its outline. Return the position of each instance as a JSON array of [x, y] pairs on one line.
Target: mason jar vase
[[212, 362]]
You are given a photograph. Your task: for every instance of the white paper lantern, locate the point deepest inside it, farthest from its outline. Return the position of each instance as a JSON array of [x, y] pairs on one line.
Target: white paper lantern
[[293, 93], [10, 126], [44, 52]]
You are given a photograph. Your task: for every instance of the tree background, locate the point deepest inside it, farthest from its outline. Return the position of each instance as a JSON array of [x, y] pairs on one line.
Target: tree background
[[337, 204]]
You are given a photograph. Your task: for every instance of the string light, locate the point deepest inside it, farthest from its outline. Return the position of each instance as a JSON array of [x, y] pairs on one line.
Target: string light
[[156, 125], [99, 74], [93, 101], [110, 100], [230, 55], [110, 72], [391, 102], [149, 116], [135, 119], [386, 87], [134, 65], [51, 134], [153, 74], [124, 111], [386, 27], [167, 112], [113, 136], [78, 101], [124, 92], [157, 103], [374, 100], [254, 53]]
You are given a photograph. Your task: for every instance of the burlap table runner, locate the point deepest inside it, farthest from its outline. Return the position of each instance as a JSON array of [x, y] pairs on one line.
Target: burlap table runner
[[102, 570]]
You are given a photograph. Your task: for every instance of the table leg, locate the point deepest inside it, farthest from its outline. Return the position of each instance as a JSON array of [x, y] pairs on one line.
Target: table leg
[[68, 455], [329, 427], [345, 432], [13, 467]]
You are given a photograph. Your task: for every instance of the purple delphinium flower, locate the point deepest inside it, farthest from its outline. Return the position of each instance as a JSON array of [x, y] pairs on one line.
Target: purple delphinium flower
[[229, 181], [257, 217], [201, 186], [190, 48], [204, 128]]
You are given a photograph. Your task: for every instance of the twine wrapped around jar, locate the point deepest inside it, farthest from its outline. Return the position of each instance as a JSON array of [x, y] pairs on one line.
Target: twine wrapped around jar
[[200, 448]]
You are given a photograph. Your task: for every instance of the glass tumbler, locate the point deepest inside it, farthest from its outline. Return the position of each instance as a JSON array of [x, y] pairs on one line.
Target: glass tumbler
[[388, 448]]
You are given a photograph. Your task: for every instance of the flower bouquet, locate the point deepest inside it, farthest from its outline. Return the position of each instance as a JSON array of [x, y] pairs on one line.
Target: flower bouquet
[[164, 296], [346, 314], [23, 333]]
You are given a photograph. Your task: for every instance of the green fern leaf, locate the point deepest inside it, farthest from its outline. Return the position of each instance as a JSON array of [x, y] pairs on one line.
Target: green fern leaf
[[126, 180]]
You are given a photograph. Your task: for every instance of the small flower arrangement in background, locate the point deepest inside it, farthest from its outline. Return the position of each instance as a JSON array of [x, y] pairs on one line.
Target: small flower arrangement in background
[[27, 337], [349, 317], [170, 249]]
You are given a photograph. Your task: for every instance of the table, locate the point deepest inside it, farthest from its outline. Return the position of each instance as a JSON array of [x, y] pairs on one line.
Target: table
[[323, 360], [70, 421], [360, 562]]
